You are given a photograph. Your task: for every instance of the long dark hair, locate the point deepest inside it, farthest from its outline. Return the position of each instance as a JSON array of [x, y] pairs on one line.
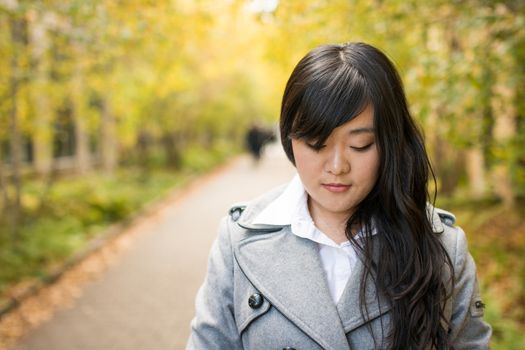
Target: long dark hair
[[331, 85]]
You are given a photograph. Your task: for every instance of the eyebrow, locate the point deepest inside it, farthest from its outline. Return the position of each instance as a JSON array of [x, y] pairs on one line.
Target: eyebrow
[[361, 131]]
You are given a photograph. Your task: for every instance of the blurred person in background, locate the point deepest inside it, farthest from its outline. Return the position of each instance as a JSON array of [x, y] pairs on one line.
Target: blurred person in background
[[256, 138]]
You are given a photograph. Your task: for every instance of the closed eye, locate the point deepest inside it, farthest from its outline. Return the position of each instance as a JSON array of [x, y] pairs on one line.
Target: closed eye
[[315, 146], [363, 148]]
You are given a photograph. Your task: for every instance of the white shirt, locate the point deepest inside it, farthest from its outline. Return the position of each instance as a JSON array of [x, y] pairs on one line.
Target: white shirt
[[291, 208]]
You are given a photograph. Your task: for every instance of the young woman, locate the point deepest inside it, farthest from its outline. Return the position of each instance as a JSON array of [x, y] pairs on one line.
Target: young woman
[[350, 254]]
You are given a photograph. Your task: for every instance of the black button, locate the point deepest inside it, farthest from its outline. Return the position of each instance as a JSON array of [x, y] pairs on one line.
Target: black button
[[255, 301], [479, 304], [236, 214], [288, 348]]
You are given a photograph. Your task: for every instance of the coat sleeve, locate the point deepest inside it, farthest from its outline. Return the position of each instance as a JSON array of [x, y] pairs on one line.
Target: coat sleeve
[[213, 326], [468, 329]]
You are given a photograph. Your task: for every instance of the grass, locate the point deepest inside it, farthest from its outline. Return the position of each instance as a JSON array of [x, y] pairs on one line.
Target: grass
[[78, 209], [497, 242]]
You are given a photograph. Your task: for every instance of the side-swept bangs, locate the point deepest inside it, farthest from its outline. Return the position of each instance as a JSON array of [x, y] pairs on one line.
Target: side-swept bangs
[[328, 103], [323, 93]]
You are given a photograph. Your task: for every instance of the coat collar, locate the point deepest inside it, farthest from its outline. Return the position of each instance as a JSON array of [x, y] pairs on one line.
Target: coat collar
[[349, 305], [254, 212], [287, 270]]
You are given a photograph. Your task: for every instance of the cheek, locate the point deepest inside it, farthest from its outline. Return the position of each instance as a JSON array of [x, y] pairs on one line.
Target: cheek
[[303, 157], [305, 166], [370, 168]]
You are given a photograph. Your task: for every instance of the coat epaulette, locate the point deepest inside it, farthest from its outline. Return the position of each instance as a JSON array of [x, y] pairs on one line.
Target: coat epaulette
[[236, 210], [446, 217]]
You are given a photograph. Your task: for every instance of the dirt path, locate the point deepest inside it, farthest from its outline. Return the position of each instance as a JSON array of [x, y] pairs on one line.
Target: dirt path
[[145, 297]]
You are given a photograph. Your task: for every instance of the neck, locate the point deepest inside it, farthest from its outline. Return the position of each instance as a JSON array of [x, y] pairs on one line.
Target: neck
[[331, 224]]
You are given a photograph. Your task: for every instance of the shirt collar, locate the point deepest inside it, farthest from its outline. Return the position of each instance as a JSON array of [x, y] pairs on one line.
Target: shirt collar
[[281, 210], [291, 208]]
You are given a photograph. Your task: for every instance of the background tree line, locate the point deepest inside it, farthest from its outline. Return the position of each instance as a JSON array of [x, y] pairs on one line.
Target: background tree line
[[93, 85], [462, 64], [99, 84]]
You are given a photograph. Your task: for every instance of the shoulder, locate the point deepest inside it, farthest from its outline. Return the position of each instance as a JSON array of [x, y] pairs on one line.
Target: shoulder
[[446, 217], [238, 221], [244, 213], [452, 236]]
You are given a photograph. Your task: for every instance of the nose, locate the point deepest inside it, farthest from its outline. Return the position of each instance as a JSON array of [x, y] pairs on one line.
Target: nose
[[337, 163]]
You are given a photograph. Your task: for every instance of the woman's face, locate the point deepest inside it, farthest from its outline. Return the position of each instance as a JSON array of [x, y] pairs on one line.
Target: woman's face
[[340, 175]]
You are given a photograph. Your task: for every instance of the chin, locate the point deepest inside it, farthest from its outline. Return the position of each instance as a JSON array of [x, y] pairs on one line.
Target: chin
[[341, 209]]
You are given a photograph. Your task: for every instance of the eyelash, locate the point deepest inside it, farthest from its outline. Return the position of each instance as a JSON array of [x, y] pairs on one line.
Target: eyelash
[[362, 149], [357, 149], [315, 148]]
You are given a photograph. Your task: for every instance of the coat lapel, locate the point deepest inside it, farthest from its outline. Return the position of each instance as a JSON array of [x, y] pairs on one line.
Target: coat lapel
[[287, 270], [349, 305]]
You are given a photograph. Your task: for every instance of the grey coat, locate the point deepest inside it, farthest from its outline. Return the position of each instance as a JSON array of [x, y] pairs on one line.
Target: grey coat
[[265, 289]]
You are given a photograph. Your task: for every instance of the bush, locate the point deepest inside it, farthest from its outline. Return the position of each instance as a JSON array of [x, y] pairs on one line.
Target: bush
[[80, 208]]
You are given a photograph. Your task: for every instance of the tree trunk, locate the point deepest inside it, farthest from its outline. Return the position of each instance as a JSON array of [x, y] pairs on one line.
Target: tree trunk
[[15, 140], [475, 166], [450, 166], [82, 152], [3, 189], [108, 138], [170, 141], [504, 130], [43, 135]]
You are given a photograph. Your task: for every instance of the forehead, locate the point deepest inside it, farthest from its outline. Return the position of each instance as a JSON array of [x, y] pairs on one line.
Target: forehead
[[364, 119], [363, 123]]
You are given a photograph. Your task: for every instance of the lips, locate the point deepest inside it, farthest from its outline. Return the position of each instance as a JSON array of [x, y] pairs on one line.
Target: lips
[[336, 187]]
